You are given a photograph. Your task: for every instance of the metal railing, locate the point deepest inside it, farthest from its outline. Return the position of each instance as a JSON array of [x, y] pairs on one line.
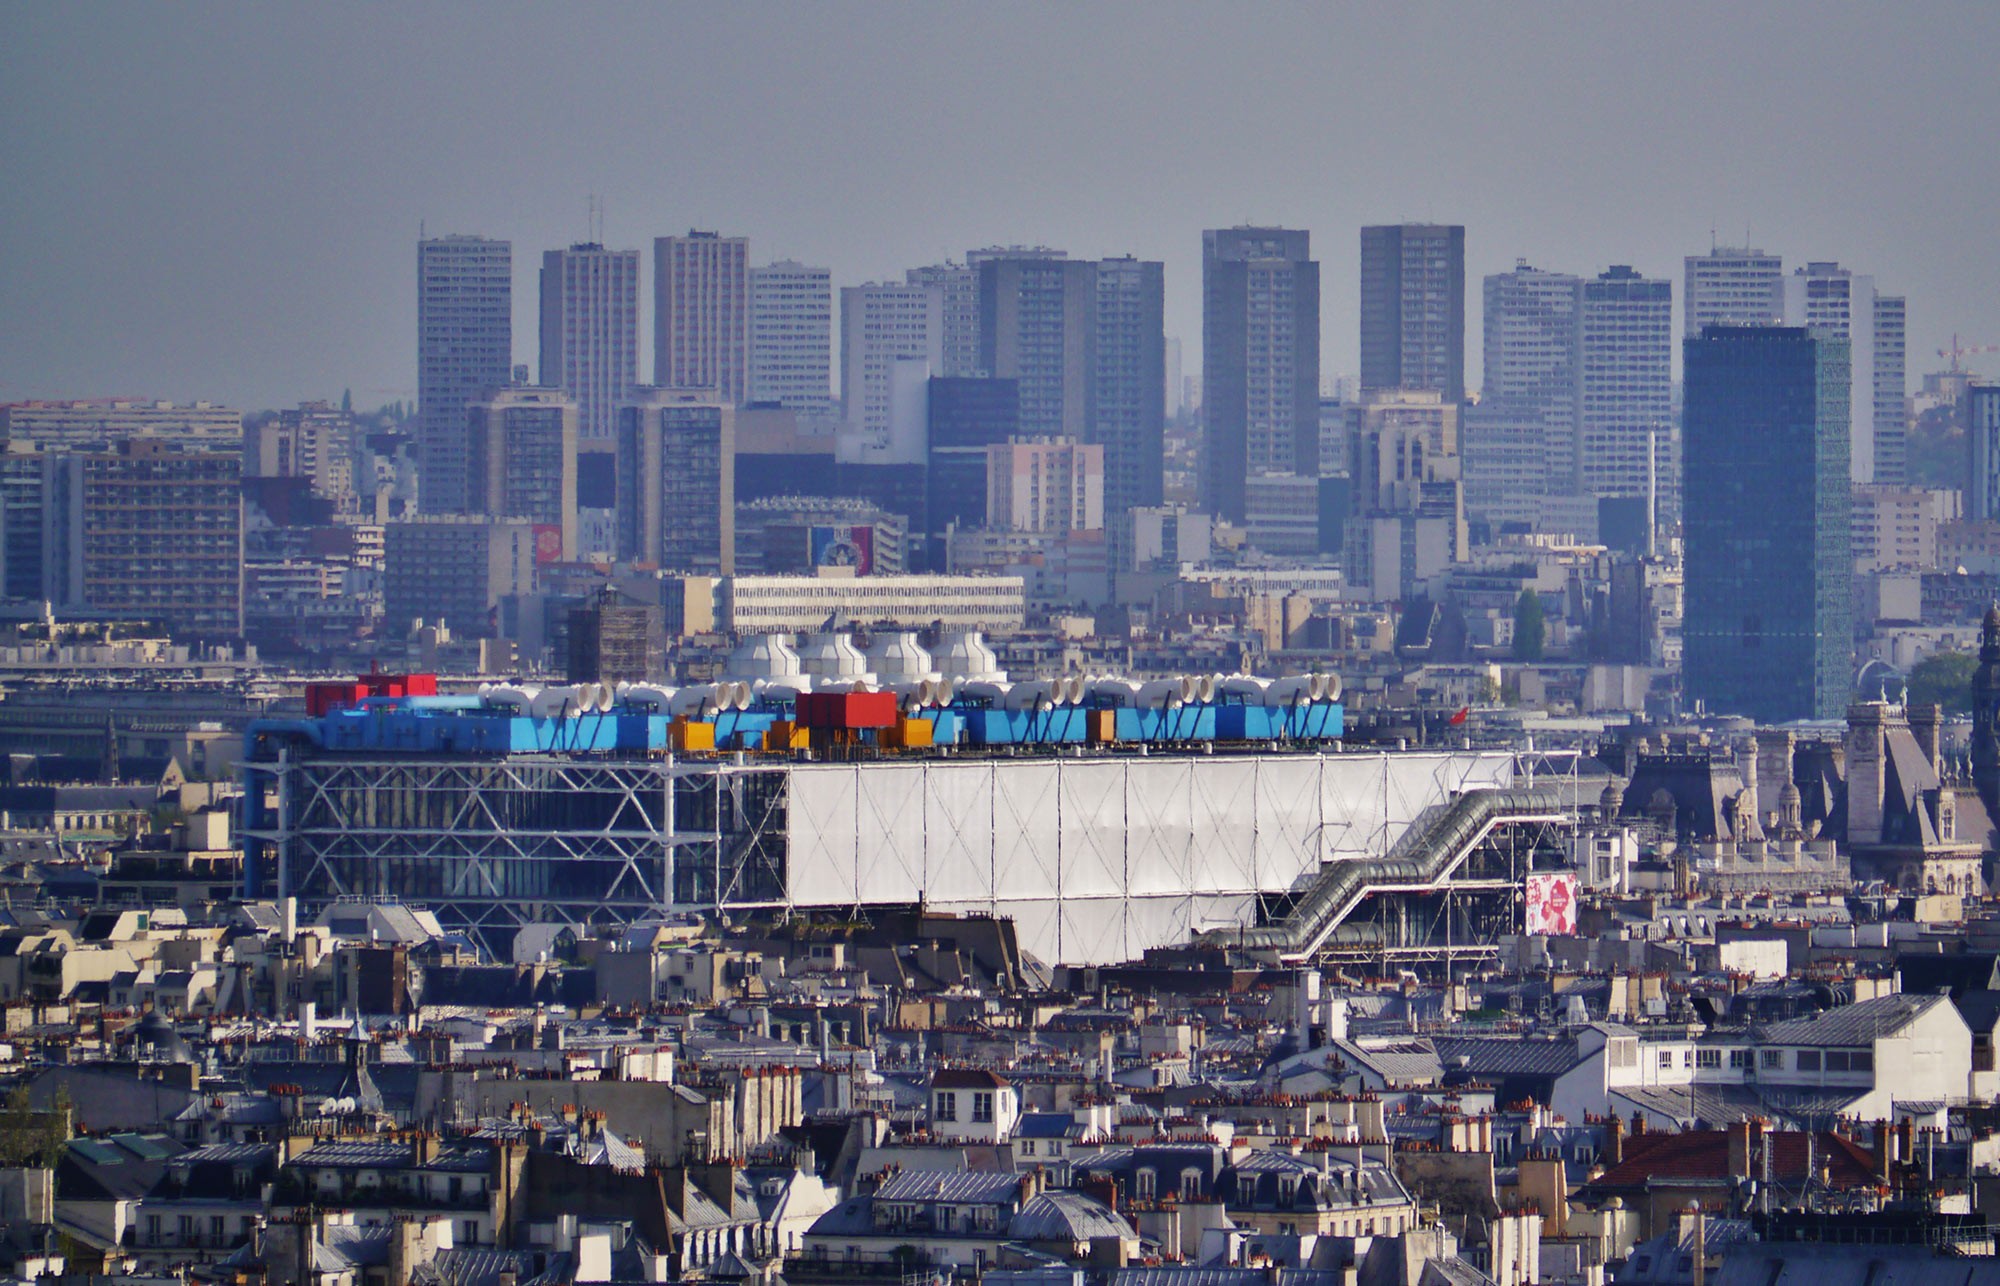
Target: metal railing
[[1436, 840]]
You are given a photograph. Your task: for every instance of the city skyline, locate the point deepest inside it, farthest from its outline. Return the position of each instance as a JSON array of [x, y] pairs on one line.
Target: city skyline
[[296, 289]]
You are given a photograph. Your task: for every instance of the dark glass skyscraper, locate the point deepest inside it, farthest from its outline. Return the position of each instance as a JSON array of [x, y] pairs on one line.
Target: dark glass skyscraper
[[966, 417], [1767, 629]]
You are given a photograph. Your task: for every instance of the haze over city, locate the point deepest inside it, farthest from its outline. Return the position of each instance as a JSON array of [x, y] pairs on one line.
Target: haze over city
[[864, 644], [220, 201]]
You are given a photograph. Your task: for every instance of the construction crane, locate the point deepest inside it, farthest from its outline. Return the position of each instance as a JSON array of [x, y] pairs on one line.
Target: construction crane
[[1958, 350]]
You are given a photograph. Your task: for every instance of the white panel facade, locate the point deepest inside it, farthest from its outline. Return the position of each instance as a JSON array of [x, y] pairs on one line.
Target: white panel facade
[[1289, 846], [1026, 841], [1225, 825], [892, 855], [1090, 818], [1096, 860], [1159, 837], [822, 837], [959, 830]]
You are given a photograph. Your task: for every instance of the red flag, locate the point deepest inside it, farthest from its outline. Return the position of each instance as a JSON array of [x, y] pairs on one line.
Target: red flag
[[1460, 716]]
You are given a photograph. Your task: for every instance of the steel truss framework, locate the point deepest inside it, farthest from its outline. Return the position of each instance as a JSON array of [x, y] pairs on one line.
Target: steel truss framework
[[489, 844], [1085, 856], [1463, 915]]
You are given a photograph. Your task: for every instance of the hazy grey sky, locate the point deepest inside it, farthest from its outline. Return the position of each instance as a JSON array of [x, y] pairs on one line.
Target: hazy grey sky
[[223, 201]]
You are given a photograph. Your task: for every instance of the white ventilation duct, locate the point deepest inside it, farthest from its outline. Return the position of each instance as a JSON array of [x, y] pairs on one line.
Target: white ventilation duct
[[831, 657], [764, 656], [1166, 693], [557, 702], [896, 657], [1295, 689], [510, 698], [985, 690], [963, 655], [646, 696], [699, 700], [1248, 686], [1030, 694], [912, 697], [1115, 692]]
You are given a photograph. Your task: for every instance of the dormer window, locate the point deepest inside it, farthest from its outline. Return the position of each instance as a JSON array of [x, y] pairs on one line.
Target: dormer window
[[1144, 1184], [1190, 1184]]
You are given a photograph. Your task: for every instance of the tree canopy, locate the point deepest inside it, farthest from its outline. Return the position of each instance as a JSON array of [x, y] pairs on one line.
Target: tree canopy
[[1530, 629], [1943, 678]]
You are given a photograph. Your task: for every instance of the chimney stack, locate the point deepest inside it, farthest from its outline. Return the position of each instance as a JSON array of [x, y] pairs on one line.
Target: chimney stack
[[1614, 1140], [1739, 1150]]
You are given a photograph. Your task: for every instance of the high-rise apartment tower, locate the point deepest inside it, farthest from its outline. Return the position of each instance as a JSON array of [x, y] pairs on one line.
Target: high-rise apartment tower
[[791, 337], [701, 314], [1260, 361], [1413, 308], [465, 346]]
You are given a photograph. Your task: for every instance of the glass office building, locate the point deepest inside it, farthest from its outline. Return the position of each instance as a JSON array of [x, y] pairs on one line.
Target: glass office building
[[1768, 624]]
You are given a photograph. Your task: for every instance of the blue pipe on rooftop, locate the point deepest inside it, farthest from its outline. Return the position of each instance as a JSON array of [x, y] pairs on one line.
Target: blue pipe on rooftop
[[424, 703], [307, 728]]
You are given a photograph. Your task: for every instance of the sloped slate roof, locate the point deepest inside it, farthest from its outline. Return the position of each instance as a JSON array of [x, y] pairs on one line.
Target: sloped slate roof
[[1487, 1056], [1067, 1216], [1856, 1026]]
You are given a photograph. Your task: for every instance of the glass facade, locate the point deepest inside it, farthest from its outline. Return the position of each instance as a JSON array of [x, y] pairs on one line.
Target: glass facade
[[1767, 631], [493, 844]]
